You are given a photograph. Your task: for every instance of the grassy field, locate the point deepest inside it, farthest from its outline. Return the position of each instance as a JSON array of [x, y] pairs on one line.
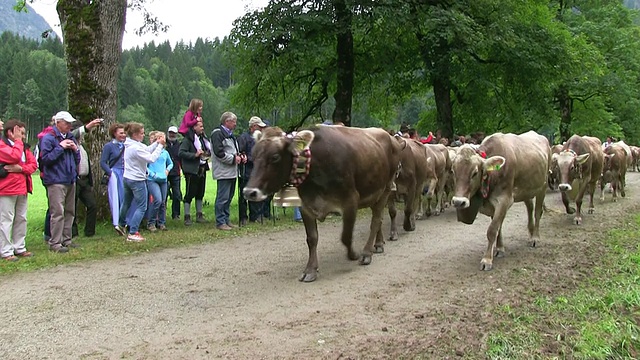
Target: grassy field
[[106, 243], [600, 320]]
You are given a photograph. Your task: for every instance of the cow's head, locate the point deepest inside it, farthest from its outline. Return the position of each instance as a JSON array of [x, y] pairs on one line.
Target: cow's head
[[569, 167], [607, 162], [273, 161], [469, 168]]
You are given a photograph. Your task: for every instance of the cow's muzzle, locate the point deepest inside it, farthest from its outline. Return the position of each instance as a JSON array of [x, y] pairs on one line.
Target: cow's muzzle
[[460, 202], [564, 187], [253, 194]]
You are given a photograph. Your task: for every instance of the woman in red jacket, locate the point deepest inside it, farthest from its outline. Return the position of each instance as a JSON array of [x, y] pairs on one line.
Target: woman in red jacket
[[17, 163]]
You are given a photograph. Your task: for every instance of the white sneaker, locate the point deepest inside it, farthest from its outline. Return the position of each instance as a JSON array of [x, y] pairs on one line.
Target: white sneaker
[[135, 237]]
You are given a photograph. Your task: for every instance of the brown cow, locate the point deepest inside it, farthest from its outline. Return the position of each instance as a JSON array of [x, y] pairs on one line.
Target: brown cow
[[412, 177], [580, 165], [506, 168], [554, 177], [635, 157], [614, 170], [336, 168], [441, 165]]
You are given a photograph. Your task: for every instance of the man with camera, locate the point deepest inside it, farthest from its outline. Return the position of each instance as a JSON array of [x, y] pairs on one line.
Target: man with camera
[[225, 167], [246, 141], [195, 152]]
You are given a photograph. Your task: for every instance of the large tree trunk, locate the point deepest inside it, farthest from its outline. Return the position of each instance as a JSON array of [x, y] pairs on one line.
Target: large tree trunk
[[444, 107], [92, 32], [345, 64], [565, 103]]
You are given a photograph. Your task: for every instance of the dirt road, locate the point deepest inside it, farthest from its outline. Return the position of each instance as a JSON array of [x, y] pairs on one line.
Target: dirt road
[[240, 298]]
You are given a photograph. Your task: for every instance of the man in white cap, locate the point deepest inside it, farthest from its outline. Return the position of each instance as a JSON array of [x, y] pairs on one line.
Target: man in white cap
[[175, 193], [246, 141], [59, 160]]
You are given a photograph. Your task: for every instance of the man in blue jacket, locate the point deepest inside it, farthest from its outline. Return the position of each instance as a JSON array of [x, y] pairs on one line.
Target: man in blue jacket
[[59, 159]]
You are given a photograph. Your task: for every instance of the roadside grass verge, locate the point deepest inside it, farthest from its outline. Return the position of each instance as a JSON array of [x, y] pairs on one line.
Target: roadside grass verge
[[106, 243], [599, 320]]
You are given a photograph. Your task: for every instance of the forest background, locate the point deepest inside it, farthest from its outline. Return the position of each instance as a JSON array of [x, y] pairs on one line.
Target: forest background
[[557, 67]]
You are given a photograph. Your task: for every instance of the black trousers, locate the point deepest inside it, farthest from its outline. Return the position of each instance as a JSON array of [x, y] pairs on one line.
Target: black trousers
[[175, 194], [195, 187], [85, 194], [255, 207]]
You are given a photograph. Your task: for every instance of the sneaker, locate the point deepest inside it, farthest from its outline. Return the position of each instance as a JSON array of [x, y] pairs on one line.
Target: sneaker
[[10, 258], [25, 254], [187, 220], [120, 230], [71, 245], [135, 237], [58, 249], [162, 228], [152, 228], [224, 227]]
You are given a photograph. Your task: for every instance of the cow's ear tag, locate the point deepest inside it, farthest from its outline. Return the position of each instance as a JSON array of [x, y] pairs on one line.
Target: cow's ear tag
[[494, 163], [303, 140]]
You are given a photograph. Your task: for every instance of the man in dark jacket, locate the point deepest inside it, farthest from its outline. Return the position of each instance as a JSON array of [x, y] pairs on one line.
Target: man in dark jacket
[[59, 159], [195, 152], [84, 184], [175, 193], [245, 146]]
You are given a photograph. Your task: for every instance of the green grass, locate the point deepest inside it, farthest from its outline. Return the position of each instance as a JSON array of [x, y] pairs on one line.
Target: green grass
[[599, 320], [106, 243]]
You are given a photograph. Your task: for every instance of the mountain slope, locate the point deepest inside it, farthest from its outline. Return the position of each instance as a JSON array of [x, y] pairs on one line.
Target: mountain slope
[[30, 24]]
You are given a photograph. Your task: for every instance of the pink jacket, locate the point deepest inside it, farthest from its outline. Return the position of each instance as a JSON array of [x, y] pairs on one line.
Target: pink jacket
[[188, 121]]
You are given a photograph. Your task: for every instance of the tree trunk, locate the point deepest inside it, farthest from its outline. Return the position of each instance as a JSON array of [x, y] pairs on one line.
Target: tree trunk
[[444, 107], [92, 32], [345, 64], [566, 106]]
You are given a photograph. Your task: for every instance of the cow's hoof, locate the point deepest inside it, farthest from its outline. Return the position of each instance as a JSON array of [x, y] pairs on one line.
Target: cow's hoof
[[485, 265], [532, 243], [365, 259], [615, 199], [352, 255], [602, 199], [577, 221], [437, 213], [308, 277], [571, 210], [623, 194], [393, 237], [409, 228], [591, 211], [499, 253], [378, 249]]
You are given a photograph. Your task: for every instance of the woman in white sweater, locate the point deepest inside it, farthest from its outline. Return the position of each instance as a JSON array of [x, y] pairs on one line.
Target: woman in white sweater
[[136, 157]]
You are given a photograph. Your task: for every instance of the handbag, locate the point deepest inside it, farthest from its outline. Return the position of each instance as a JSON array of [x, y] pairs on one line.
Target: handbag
[[105, 177]]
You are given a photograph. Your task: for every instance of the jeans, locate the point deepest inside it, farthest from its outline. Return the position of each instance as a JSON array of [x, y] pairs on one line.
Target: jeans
[[134, 190], [176, 195], [226, 188], [254, 207], [157, 210], [296, 213]]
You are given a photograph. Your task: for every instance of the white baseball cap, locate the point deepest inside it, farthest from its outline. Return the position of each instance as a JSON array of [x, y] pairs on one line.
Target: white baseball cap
[[64, 115], [257, 121], [173, 129]]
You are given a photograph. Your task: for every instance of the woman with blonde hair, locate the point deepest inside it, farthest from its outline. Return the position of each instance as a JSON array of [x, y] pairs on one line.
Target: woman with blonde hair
[[157, 187]]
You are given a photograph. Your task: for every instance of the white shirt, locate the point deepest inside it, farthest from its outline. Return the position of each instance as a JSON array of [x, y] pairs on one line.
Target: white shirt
[[136, 157]]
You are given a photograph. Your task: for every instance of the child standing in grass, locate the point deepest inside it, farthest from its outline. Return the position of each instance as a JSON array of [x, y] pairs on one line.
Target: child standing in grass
[[192, 116]]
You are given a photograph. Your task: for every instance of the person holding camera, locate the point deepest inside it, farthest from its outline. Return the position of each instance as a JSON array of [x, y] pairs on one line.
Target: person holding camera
[[59, 159], [225, 167], [246, 141], [195, 152], [84, 185], [17, 163]]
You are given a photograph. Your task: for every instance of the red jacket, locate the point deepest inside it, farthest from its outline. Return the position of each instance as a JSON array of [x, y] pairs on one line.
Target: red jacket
[[16, 183]]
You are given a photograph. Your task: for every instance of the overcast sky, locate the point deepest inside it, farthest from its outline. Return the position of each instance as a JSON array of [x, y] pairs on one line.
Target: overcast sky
[[189, 19]]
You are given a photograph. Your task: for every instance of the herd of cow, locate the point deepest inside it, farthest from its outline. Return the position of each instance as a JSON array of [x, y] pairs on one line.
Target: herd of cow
[[343, 169]]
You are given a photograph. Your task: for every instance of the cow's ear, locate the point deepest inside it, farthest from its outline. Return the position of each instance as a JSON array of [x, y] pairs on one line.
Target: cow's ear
[[494, 163], [257, 135], [302, 140], [581, 159]]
